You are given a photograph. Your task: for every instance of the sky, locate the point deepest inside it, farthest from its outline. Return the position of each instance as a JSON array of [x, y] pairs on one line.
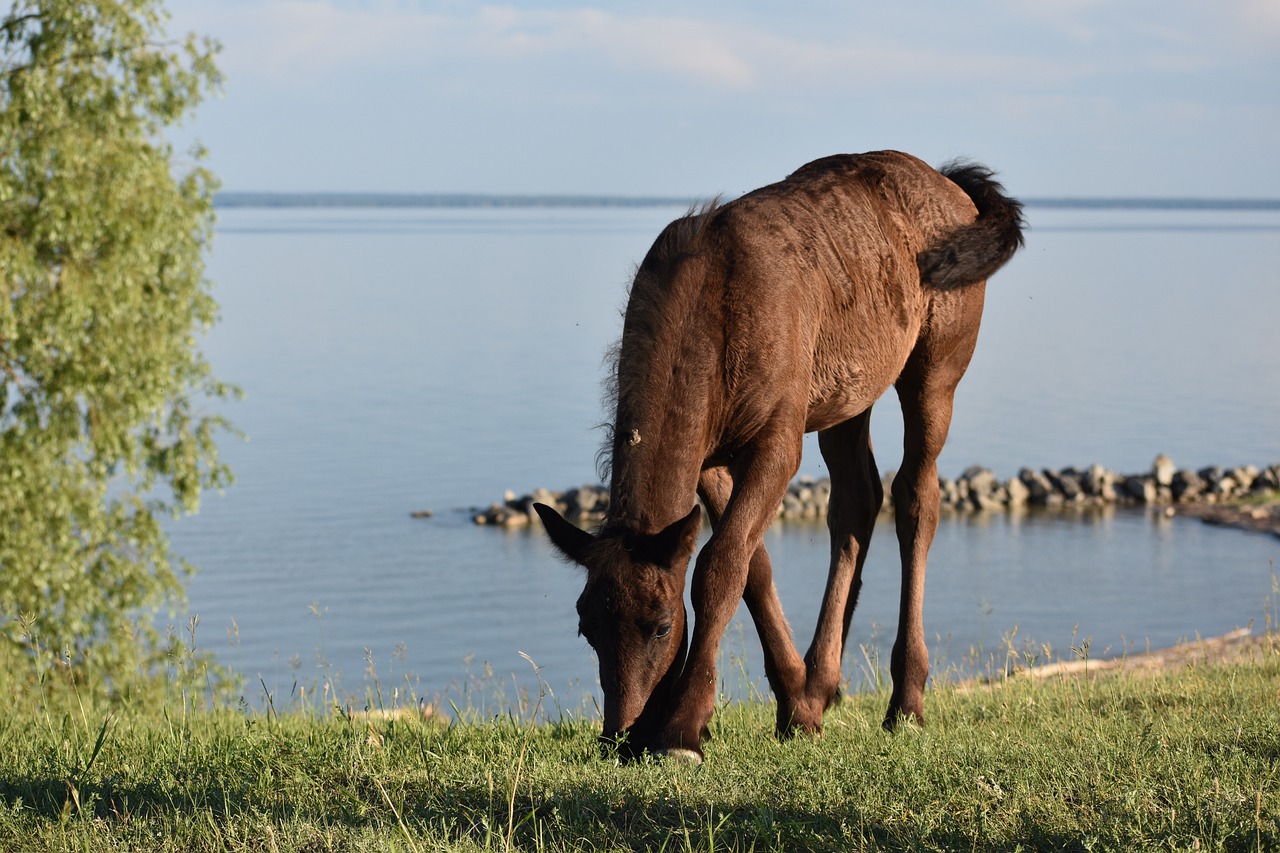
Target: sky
[[658, 98]]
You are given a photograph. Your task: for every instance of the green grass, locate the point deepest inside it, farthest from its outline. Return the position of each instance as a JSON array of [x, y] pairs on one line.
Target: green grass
[[1185, 760]]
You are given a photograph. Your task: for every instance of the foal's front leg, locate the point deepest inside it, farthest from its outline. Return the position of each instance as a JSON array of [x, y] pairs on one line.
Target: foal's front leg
[[783, 665], [719, 579]]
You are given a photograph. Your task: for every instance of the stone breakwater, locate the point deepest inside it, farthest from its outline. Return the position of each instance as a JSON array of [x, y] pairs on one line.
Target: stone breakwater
[[977, 489]]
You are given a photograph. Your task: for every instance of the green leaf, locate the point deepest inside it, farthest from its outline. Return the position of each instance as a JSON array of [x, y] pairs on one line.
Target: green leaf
[[105, 399]]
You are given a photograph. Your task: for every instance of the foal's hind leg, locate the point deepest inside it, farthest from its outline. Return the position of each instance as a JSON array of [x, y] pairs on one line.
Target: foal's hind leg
[[782, 663], [926, 389], [856, 496]]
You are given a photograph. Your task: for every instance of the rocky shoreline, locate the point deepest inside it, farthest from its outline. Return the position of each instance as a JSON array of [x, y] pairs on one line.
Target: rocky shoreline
[[1214, 494]]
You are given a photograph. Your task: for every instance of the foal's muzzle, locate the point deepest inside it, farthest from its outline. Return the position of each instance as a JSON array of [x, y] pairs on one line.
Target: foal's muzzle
[[619, 745], [629, 744]]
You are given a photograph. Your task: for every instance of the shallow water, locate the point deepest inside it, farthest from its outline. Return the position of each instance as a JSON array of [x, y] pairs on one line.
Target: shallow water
[[403, 359]]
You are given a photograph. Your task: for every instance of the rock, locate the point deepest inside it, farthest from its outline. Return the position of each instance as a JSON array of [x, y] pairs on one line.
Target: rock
[[1187, 486], [981, 480], [1225, 487], [1141, 488], [976, 474], [503, 515], [805, 498], [1018, 492], [515, 518], [949, 493], [1244, 477], [585, 504], [541, 496], [822, 494], [421, 513], [1268, 480], [886, 482], [1100, 483], [1066, 483], [983, 489], [580, 499], [976, 489], [1039, 490], [792, 506], [990, 501], [1211, 475]]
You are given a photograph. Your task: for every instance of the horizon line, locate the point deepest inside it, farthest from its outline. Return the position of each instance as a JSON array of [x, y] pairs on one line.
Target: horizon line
[[358, 199]]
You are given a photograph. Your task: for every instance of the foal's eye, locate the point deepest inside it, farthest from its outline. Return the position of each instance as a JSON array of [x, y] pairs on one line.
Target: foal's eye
[[662, 631]]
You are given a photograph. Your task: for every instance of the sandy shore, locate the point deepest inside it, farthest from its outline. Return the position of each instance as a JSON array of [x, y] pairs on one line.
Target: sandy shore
[[1260, 518], [1238, 646]]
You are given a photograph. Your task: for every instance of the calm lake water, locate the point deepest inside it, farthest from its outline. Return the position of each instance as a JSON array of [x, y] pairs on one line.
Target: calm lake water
[[395, 360]]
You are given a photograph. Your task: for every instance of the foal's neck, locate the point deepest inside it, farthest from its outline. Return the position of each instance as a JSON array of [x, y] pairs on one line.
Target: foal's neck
[[657, 458]]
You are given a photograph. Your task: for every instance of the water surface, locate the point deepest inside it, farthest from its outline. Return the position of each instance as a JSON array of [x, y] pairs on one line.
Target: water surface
[[395, 360]]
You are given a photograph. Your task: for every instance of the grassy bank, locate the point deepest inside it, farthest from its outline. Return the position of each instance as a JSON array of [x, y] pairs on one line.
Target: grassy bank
[[1182, 759]]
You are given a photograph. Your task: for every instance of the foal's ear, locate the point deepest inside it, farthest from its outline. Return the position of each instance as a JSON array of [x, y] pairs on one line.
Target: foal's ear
[[569, 539], [674, 544]]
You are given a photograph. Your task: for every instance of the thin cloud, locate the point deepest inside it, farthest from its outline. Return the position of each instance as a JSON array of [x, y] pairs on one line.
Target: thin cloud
[[298, 41], [1261, 18], [558, 56], [678, 46], [1157, 26]]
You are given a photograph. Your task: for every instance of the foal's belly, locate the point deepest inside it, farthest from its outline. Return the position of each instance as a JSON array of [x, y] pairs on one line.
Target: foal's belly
[[835, 410], [847, 389]]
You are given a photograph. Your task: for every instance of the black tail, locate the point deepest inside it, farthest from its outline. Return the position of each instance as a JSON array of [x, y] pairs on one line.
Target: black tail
[[975, 251]]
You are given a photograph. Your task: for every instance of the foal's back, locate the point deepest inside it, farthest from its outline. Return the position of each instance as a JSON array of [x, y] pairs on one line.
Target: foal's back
[[820, 296]]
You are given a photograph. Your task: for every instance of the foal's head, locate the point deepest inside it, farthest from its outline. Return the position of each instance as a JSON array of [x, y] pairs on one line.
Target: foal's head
[[632, 613]]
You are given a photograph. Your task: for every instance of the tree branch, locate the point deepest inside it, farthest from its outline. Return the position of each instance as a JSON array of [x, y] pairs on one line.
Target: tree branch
[[9, 371], [13, 23], [10, 73]]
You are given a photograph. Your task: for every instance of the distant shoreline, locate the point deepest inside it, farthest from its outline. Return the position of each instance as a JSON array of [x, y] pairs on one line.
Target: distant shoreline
[[481, 200], [435, 200]]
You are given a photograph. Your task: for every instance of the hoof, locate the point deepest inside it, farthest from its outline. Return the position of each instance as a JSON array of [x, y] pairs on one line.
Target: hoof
[[680, 755], [896, 720], [794, 729], [800, 719]]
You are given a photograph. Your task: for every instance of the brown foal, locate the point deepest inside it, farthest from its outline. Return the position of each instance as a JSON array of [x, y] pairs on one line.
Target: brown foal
[[789, 310]]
